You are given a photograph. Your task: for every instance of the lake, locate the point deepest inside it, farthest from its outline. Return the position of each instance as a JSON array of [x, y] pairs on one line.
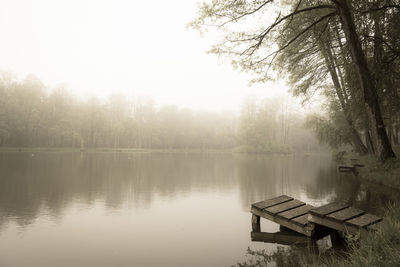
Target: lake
[[154, 209]]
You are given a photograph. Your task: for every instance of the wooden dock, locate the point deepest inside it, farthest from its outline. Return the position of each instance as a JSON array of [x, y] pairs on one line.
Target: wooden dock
[[308, 220], [286, 211], [343, 218], [350, 168]]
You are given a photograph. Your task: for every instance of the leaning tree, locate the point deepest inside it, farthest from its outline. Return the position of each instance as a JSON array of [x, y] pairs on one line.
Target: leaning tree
[[258, 32]]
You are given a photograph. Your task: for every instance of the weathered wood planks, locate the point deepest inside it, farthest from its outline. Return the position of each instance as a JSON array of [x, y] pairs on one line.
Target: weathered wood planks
[[340, 217], [307, 229], [329, 208], [345, 214], [284, 206], [303, 218], [285, 211], [350, 168], [364, 220], [293, 213], [346, 168], [271, 202]]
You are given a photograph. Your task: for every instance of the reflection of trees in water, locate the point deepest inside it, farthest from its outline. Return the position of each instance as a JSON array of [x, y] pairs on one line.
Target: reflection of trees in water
[[307, 178], [351, 189], [52, 181], [261, 177], [367, 196]]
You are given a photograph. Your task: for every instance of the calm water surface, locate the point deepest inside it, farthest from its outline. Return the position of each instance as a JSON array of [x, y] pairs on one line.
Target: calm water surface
[[105, 209]]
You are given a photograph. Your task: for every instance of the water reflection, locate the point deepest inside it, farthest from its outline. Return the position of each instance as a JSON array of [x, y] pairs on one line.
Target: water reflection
[[202, 200], [30, 182], [317, 245], [287, 238]]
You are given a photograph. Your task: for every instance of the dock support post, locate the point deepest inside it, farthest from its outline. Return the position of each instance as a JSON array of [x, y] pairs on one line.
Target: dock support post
[[255, 223]]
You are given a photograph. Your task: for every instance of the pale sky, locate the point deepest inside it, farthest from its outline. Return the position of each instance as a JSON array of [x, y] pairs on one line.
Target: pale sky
[[131, 47]]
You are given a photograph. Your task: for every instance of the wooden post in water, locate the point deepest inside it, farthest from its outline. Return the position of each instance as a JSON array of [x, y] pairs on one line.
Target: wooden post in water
[[255, 223]]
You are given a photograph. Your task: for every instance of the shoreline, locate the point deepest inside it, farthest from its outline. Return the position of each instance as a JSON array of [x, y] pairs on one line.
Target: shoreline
[[232, 151], [387, 173], [109, 150], [381, 248]]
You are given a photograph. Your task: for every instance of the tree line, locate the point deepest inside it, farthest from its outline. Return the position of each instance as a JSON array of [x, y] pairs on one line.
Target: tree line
[[274, 125], [32, 115], [348, 51]]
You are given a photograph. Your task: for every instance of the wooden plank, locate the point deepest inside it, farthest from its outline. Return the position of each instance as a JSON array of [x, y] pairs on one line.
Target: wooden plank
[[345, 214], [282, 238], [346, 166], [284, 206], [327, 222], [358, 165], [296, 212], [301, 220], [255, 223], [346, 170], [307, 230], [364, 220], [327, 209], [365, 230], [271, 202]]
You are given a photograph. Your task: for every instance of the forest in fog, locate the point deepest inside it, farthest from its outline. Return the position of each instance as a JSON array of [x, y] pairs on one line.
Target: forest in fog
[[32, 115], [349, 56]]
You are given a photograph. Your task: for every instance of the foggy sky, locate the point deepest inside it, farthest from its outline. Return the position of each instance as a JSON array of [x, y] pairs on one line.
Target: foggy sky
[[130, 47]]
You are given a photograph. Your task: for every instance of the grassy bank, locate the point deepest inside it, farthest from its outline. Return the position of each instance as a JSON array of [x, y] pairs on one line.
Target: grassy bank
[[377, 249]]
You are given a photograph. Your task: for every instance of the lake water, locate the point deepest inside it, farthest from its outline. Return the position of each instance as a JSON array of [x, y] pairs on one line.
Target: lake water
[[154, 209]]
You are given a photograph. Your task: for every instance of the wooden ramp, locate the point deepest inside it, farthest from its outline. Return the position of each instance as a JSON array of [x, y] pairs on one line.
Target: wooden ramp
[[286, 211], [306, 219], [343, 218]]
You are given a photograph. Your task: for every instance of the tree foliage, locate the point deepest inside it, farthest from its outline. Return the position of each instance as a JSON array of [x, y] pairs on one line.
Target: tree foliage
[[273, 125], [33, 115], [346, 47]]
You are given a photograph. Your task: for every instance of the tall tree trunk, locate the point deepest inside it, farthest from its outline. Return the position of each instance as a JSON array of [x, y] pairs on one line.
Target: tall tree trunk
[[356, 141], [379, 138], [369, 142], [378, 51], [395, 136], [389, 131]]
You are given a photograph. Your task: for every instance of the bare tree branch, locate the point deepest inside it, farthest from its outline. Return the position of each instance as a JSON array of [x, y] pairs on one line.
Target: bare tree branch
[[278, 21], [384, 42], [246, 13], [250, 50], [296, 37]]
